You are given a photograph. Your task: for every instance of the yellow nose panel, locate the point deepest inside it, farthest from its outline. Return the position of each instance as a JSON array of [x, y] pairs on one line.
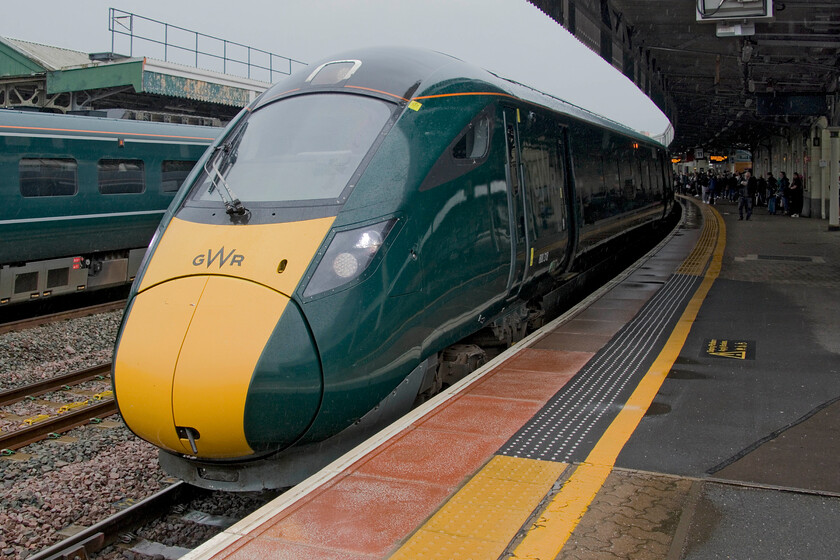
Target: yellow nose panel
[[227, 335], [146, 356], [186, 357]]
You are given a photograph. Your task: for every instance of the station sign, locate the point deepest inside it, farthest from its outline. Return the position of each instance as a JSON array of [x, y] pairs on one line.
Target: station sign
[[733, 10]]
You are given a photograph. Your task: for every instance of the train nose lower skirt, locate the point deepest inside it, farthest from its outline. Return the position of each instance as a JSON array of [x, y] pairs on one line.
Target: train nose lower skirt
[[186, 358]]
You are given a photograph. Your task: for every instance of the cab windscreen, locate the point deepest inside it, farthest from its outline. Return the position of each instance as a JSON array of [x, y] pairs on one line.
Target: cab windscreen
[[300, 148]]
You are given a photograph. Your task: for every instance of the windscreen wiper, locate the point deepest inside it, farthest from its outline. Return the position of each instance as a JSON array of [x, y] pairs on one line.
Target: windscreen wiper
[[226, 156], [233, 206]]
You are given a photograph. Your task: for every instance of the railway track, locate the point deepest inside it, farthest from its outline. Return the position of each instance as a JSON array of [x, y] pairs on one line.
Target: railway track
[[181, 515], [93, 539], [63, 381], [67, 419], [29, 322]]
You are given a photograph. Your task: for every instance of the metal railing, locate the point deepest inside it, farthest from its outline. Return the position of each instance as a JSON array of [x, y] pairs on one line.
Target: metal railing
[[202, 50]]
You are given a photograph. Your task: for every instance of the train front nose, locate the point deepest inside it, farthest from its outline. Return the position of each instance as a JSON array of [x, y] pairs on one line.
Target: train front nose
[[192, 374]]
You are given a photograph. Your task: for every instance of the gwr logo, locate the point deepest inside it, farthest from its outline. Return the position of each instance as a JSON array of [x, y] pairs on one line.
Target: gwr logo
[[220, 256]]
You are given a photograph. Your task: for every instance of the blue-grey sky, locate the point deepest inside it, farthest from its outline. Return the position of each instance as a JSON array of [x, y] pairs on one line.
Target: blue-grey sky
[[509, 37]]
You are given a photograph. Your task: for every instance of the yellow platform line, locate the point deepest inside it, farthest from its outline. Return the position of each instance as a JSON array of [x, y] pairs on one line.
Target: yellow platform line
[[482, 518], [696, 261], [550, 532]]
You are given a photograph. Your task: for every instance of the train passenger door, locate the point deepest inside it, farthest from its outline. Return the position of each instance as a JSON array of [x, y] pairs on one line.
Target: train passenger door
[[545, 185], [516, 204]]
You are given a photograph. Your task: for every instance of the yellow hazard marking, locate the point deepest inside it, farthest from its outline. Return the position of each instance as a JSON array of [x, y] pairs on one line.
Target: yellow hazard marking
[[696, 261], [36, 419], [547, 537], [485, 515], [728, 349], [71, 406], [415, 105], [736, 355], [532, 257]]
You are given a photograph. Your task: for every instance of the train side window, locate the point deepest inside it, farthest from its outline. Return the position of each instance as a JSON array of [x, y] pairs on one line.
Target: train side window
[[475, 142], [174, 173], [590, 173], [48, 177], [467, 151], [121, 176], [544, 179], [545, 174], [657, 174], [629, 181]]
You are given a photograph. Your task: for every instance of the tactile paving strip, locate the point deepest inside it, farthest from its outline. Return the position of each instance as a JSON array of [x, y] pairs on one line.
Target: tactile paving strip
[[483, 517], [695, 263], [563, 430]]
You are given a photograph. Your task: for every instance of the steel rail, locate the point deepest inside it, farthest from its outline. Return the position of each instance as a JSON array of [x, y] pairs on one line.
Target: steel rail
[[107, 531], [57, 424], [11, 396], [60, 316]]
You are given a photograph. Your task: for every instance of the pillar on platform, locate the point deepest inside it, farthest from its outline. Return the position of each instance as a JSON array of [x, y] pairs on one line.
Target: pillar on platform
[[834, 179]]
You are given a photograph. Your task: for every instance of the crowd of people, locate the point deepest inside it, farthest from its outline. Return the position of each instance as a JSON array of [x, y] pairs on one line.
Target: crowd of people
[[780, 196]]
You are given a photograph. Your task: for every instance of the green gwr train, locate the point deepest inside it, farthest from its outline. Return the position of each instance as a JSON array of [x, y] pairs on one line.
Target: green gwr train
[[348, 229], [80, 197]]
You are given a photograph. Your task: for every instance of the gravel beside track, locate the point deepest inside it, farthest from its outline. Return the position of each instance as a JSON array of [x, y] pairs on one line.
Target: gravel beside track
[[84, 477], [41, 352]]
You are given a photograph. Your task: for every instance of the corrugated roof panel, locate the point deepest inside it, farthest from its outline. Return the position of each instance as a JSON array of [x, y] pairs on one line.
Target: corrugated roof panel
[[51, 58], [15, 63], [199, 90]]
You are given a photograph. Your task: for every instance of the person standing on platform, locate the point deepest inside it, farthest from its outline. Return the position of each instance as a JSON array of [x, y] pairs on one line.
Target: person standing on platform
[[760, 192], [796, 195], [713, 186], [732, 187], [784, 186], [746, 194], [703, 182], [772, 187]]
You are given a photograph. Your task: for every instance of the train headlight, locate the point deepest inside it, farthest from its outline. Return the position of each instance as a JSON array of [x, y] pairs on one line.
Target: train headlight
[[345, 265], [348, 256]]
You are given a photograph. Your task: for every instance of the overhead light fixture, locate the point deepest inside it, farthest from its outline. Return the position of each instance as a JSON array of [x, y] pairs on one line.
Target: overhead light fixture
[[725, 29]]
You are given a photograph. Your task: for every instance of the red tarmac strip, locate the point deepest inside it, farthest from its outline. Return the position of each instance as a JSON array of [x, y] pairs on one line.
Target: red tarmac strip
[[368, 510]]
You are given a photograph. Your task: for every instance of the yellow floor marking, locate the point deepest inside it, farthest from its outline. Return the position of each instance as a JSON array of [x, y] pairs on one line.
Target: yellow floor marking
[[547, 536], [696, 261], [484, 516]]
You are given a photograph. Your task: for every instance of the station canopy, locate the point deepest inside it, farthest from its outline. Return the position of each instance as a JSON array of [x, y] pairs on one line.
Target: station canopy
[[731, 80], [55, 79]]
